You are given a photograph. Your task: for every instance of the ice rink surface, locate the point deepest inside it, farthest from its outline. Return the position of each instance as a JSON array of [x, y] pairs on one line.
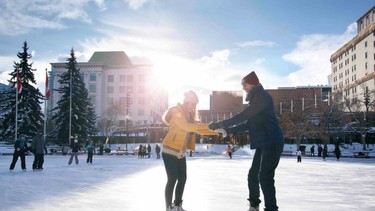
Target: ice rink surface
[[215, 183]]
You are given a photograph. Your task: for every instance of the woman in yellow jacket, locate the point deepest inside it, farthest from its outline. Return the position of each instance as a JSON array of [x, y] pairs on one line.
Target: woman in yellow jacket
[[181, 120]]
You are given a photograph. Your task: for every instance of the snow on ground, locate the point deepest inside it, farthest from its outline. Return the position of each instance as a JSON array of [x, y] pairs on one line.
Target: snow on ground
[[215, 183]]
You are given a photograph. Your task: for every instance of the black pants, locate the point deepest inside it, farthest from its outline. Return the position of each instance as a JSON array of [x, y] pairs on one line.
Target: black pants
[[75, 155], [89, 157], [38, 161], [262, 172], [17, 154], [176, 172]]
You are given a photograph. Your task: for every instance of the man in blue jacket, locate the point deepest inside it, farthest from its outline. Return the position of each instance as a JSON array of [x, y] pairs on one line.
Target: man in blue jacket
[[260, 120]]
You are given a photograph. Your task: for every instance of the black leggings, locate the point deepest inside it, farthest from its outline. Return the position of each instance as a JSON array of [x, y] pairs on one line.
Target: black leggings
[[176, 172]]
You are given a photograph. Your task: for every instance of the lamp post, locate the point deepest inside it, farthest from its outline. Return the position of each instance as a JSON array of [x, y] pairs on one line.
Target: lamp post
[[367, 103]]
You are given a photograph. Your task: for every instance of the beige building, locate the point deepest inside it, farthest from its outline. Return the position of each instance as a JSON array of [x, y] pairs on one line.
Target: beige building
[[353, 65], [112, 80]]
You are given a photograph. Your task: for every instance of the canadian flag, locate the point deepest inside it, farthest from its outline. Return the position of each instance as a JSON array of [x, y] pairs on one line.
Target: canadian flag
[[19, 82], [48, 92]]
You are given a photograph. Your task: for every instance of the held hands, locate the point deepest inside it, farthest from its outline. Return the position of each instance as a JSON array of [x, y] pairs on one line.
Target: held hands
[[218, 127], [215, 125], [222, 131]]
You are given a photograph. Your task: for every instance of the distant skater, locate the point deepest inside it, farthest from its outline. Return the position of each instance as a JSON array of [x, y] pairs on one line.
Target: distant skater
[[38, 147], [299, 156], [325, 151], [229, 151], [157, 150], [20, 148], [337, 152], [90, 152], [75, 149]]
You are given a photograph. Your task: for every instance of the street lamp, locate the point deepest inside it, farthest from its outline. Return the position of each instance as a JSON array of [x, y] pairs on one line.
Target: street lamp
[[367, 103]]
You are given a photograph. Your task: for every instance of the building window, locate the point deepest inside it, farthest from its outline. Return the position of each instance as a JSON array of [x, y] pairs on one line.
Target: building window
[[92, 88], [366, 66], [366, 44], [122, 89], [122, 78], [366, 55], [109, 101], [129, 89], [122, 100], [130, 78], [111, 78], [92, 76], [110, 89]]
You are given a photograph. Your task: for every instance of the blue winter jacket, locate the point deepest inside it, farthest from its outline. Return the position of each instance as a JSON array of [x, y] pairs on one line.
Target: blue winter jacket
[[258, 118]]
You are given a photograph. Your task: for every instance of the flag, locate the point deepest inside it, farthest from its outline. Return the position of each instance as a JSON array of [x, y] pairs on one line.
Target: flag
[[19, 83], [48, 92]]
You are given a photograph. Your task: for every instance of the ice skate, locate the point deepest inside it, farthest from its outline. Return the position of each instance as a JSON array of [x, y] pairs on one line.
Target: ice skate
[[170, 208], [255, 208], [179, 208]]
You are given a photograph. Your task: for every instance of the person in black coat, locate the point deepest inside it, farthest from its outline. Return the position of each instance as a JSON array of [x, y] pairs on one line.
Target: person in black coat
[[320, 150], [75, 149], [38, 147], [20, 148], [157, 150], [260, 121], [149, 150], [337, 152], [325, 151]]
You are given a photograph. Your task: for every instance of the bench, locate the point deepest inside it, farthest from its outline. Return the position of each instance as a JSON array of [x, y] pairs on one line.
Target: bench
[[121, 152], [361, 154]]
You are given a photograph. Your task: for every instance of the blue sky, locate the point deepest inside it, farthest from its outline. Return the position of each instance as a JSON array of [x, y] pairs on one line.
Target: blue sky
[[202, 45]]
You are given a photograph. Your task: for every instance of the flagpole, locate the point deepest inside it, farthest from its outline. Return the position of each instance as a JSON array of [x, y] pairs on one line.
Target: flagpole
[[45, 108], [16, 129], [70, 108], [18, 89]]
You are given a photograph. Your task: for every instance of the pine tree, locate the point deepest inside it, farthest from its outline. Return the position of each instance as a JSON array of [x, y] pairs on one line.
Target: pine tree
[[30, 117], [83, 116]]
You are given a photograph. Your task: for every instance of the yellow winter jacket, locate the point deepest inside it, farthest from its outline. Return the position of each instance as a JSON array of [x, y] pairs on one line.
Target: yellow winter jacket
[[180, 130]]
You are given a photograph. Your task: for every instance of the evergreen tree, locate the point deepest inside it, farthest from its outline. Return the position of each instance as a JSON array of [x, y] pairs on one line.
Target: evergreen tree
[[83, 116], [30, 117]]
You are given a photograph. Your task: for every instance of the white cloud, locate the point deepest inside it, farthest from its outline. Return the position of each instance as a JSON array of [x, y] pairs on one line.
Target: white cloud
[[217, 59], [312, 55], [136, 4], [20, 17], [256, 43]]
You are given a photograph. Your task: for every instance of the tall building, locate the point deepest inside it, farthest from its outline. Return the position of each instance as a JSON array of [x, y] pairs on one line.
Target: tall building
[[223, 105], [111, 79], [353, 65]]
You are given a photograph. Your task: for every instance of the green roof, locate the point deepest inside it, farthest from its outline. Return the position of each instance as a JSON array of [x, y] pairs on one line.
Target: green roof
[[111, 58]]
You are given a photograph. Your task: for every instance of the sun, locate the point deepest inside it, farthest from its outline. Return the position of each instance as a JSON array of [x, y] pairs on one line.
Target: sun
[[173, 73]]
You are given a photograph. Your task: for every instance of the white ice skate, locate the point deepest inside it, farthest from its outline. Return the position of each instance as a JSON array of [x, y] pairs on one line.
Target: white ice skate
[[170, 208], [179, 208], [254, 208]]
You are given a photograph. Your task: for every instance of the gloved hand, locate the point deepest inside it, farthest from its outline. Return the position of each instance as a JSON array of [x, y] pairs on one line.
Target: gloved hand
[[215, 125], [222, 131]]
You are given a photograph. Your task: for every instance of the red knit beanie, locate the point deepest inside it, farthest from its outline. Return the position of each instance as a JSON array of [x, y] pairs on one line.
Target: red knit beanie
[[251, 78]]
